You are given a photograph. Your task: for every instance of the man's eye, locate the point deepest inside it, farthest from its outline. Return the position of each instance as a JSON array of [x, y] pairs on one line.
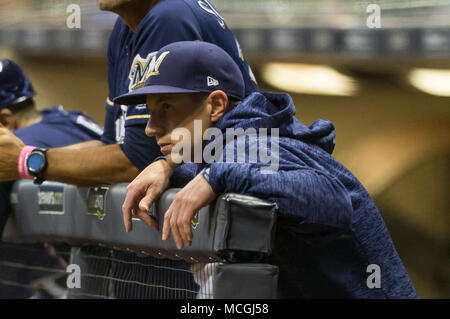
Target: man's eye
[[167, 107]]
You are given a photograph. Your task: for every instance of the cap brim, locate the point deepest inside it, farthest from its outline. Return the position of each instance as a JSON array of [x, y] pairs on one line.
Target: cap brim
[[139, 96]]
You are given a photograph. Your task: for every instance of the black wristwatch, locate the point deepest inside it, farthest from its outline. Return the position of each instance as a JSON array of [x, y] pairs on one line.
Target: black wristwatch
[[37, 164]]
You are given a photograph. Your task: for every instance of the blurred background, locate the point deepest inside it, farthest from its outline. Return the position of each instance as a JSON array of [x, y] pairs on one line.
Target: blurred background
[[386, 89]]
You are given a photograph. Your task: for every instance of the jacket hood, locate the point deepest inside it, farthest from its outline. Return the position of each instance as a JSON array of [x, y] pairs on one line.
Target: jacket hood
[[277, 110]]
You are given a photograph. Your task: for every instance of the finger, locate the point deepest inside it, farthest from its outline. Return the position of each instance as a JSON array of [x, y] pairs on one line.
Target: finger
[[176, 233], [149, 221], [134, 194], [147, 201], [127, 211], [166, 226], [127, 221], [184, 226]]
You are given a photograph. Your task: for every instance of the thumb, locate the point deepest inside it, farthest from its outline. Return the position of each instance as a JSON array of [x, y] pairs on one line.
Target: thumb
[[148, 199]]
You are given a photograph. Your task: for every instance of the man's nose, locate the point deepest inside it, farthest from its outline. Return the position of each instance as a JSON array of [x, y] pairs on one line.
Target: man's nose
[[152, 128]]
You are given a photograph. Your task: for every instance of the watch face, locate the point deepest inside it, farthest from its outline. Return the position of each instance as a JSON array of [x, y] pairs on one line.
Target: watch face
[[35, 162]]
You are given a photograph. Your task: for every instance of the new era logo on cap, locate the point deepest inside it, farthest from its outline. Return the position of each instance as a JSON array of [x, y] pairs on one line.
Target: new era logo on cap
[[212, 81]]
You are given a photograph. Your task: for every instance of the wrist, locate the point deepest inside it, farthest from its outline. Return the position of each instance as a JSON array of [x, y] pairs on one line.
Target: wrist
[[36, 164], [216, 177], [167, 165], [205, 174]]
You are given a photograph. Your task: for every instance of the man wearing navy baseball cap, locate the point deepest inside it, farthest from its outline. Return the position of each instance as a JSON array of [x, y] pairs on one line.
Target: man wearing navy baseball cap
[[329, 231], [184, 76]]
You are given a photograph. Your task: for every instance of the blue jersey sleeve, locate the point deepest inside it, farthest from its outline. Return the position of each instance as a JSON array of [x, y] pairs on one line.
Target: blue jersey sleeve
[[59, 128]]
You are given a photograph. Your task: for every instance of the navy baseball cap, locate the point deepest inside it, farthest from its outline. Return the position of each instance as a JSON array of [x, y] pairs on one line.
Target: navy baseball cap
[[15, 87], [189, 67]]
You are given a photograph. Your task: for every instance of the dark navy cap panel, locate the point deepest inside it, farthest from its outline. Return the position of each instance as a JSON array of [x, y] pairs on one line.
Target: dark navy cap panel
[[189, 67], [172, 71], [218, 71]]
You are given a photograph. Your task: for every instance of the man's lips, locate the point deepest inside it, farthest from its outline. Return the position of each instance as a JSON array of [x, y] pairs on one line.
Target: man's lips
[[165, 148]]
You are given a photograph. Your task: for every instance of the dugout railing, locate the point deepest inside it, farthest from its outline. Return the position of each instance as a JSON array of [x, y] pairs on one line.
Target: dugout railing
[[234, 234]]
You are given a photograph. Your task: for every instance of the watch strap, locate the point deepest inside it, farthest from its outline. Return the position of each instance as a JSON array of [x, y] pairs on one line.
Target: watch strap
[[22, 162]]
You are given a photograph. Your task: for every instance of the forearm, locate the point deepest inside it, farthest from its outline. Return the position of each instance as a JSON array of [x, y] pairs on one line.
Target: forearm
[[312, 196], [92, 166], [82, 145]]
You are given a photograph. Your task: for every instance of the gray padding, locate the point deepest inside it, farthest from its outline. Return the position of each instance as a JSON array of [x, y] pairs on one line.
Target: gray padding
[[94, 216], [245, 223], [245, 281]]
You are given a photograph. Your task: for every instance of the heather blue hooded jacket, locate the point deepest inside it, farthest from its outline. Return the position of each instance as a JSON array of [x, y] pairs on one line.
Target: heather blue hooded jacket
[[329, 230]]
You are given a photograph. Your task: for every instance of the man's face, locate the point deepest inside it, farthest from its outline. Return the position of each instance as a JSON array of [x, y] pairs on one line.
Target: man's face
[[172, 111], [112, 5]]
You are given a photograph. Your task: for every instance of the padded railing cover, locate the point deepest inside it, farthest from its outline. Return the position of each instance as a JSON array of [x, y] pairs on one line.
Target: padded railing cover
[[55, 212]]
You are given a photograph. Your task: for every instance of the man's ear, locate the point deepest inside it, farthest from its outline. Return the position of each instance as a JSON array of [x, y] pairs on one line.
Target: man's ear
[[219, 102], [8, 119]]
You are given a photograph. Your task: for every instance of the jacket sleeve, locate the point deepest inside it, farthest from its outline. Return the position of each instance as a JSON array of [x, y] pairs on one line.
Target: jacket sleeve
[[310, 196]]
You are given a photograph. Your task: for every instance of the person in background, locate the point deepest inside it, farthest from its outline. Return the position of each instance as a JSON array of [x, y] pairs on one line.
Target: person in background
[[52, 127]]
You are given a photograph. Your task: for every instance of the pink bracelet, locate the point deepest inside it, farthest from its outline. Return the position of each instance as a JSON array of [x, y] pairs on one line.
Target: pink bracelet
[[22, 163]]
